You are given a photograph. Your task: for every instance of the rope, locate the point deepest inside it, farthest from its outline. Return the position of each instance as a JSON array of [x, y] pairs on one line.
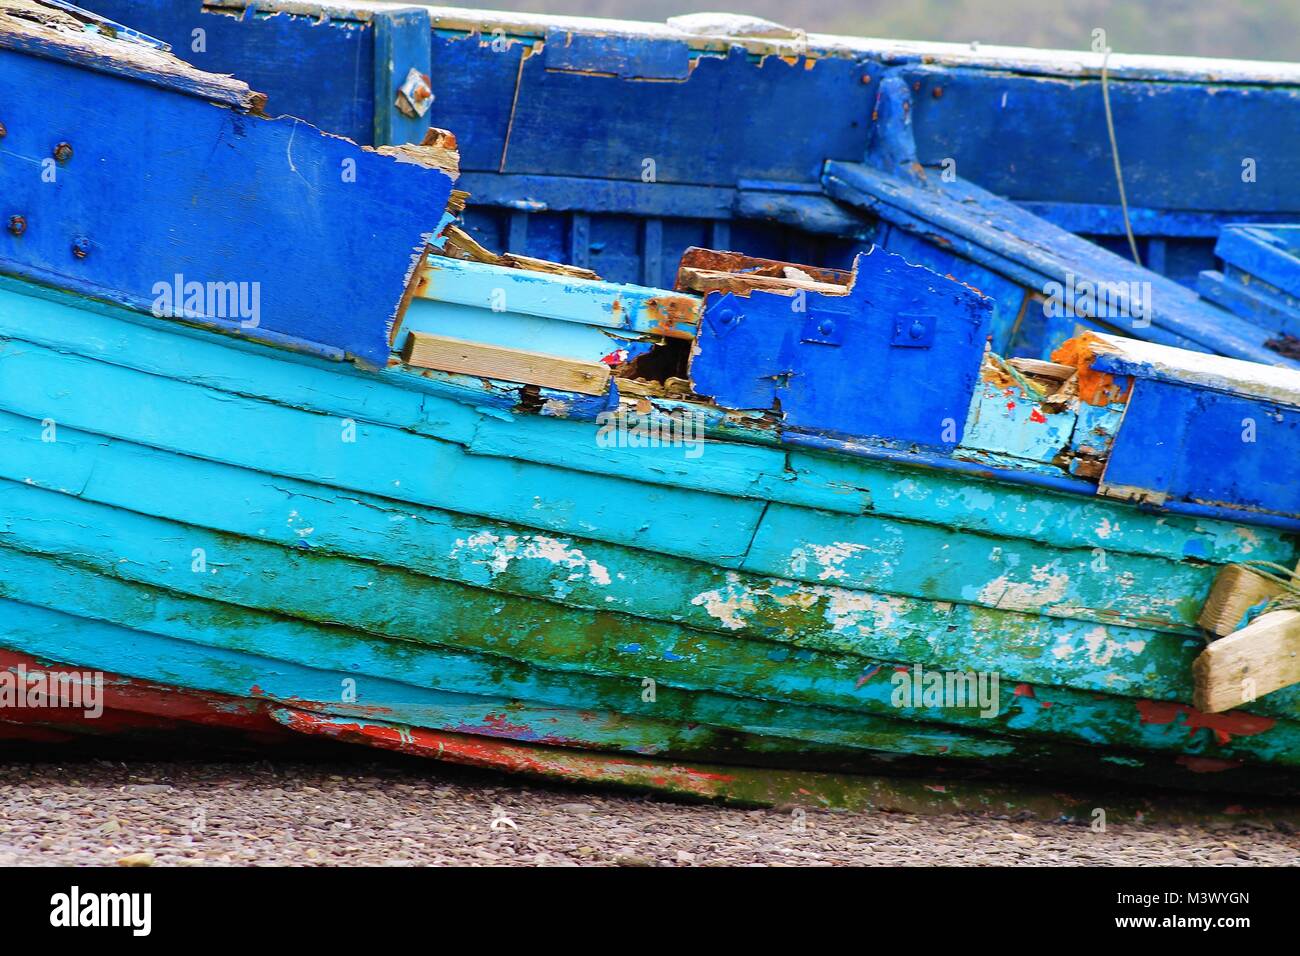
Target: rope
[[1287, 580], [1114, 152], [1030, 390]]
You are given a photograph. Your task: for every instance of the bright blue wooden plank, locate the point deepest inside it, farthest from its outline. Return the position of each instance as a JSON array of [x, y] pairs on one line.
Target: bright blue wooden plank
[[288, 234], [401, 44], [1196, 444], [1268, 252], [599, 124], [320, 69], [837, 363], [626, 57], [1171, 138], [502, 294], [1253, 300], [1002, 236]]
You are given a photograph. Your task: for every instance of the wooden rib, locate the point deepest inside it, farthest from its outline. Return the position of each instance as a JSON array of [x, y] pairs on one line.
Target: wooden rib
[[1260, 658], [509, 365]]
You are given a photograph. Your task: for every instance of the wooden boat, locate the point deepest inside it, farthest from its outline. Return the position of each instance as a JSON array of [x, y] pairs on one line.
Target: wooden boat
[[602, 143], [268, 462]]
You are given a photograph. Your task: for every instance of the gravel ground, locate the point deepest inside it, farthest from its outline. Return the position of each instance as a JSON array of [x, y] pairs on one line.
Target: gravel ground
[[407, 813]]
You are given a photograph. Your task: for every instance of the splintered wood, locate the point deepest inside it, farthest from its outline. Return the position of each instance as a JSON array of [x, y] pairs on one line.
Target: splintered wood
[[438, 151], [508, 365], [459, 244], [708, 270]]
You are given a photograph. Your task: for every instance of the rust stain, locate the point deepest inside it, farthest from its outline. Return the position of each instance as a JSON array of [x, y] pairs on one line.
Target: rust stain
[[674, 316], [1095, 388]]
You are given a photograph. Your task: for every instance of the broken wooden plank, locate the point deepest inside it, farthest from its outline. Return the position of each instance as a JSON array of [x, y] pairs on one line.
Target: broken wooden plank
[[718, 261], [438, 150], [1236, 590], [712, 280], [35, 28], [460, 244], [1262, 657], [509, 365], [1039, 368]]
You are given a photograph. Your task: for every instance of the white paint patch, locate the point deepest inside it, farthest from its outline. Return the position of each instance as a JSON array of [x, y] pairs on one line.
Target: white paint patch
[[298, 525], [734, 604], [907, 488], [1102, 647], [827, 558], [1249, 539], [728, 604], [846, 610], [1042, 589], [498, 551], [1105, 529]]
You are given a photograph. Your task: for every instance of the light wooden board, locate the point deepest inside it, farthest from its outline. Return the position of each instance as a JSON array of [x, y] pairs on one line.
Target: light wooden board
[[509, 365], [1260, 658], [1236, 590]]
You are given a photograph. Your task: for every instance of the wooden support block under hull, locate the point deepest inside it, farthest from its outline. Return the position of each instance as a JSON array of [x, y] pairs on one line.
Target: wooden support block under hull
[[510, 365], [1236, 590], [1260, 658]]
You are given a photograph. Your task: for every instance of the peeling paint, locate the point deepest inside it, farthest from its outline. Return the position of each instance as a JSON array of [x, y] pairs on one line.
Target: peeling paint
[[498, 551]]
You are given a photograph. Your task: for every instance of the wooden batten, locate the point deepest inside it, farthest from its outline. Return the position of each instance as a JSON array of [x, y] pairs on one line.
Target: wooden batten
[[1260, 658], [445, 354], [1236, 590]]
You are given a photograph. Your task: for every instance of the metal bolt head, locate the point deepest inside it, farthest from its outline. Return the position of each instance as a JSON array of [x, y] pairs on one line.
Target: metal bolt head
[[17, 225], [63, 152], [3, 131], [81, 247]]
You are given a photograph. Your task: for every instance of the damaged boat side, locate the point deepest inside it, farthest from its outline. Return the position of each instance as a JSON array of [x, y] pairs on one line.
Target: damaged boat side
[[726, 523]]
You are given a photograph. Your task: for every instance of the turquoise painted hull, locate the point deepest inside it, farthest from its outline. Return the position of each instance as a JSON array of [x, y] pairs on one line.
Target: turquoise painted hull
[[410, 550]]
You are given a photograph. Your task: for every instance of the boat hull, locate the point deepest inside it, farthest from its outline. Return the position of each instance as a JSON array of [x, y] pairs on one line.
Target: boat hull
[[430, 552]]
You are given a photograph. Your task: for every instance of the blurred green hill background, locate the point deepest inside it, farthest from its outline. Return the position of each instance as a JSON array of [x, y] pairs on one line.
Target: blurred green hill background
[[1254, 29]]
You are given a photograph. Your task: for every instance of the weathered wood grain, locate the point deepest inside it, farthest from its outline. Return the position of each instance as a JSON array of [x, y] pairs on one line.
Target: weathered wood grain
[[1236, 591], [423, 350], [1262, 657]]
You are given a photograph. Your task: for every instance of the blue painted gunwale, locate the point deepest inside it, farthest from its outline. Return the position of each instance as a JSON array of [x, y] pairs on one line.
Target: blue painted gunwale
[[988, 110], [318, 237]]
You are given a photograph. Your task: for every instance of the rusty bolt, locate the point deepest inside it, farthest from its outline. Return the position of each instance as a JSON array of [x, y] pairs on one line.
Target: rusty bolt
[[17, 225], [81, 247], [63, 152], [937, 92], [3, 131]]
